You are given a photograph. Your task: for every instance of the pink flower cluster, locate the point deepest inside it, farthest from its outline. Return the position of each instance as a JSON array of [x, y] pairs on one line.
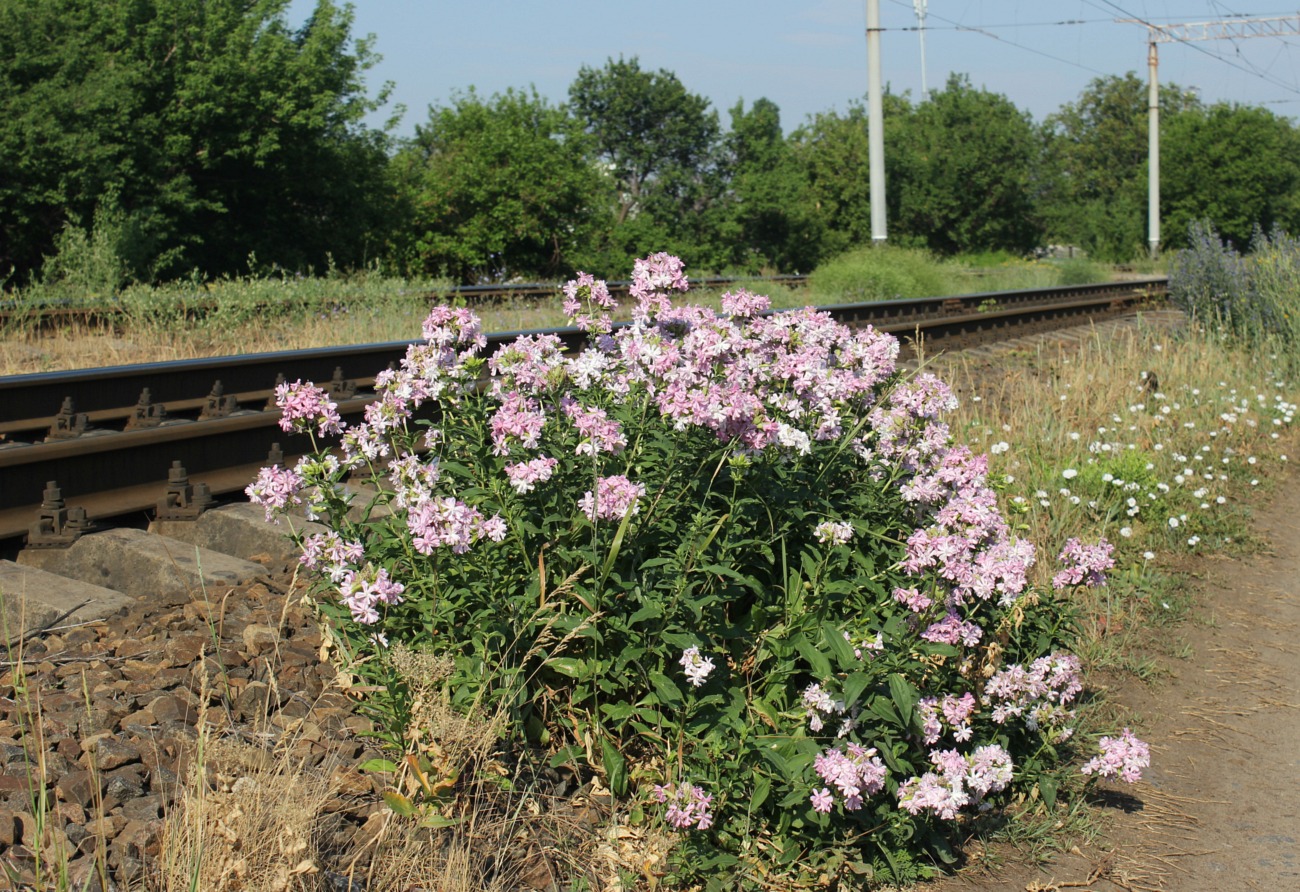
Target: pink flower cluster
[[524, 476], [454, 326], [1123, 757], [960, 780], [275, 489], [820, 706], [1039, 694], [304, 406], [449, 522], [331, 554], [744, 303], [687, 805], [518, 421], [951, 711], [363, 592], [855, 772], [652, 277], [593, 292], [1084, 564], [596, 430], [615, 497]]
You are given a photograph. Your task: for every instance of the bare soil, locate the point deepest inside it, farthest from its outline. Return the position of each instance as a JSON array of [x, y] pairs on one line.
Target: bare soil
[[1219, 810]]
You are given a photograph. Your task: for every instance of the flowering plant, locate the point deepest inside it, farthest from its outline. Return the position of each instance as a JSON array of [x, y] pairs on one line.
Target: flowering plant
[[731, 558]]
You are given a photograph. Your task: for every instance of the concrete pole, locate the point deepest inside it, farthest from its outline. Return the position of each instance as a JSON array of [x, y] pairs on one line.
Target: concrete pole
[[1153, 152], [919, 6], [875, 125]]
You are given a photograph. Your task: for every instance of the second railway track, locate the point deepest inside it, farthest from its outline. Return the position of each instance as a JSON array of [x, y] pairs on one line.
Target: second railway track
[[129, 439]]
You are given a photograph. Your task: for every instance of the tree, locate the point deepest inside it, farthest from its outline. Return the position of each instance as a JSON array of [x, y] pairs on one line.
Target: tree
[[832, 150], [965, 173], [657, 138], [771, 217], [1237, 166], [501, 188], [209, 128], [1097, 163]]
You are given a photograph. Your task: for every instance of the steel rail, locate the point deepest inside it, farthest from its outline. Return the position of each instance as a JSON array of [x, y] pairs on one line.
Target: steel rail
[[115, 473], [31, 402]]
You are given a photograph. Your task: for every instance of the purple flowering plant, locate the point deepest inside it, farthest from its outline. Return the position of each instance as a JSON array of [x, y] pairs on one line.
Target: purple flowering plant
[[730, 562]]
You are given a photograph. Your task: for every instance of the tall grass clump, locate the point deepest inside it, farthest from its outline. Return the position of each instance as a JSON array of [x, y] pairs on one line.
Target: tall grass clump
[[1252, 299], [728, 569], [879, 272]]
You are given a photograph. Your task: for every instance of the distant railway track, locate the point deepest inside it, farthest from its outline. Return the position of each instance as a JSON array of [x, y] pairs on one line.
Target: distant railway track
[[162, 437], [55, 314]]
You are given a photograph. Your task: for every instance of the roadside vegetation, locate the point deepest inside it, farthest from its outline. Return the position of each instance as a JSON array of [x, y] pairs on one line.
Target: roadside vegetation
[[1156, 440]]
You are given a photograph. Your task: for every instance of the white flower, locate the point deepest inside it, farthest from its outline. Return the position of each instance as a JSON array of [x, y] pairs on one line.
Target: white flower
[[1069, 473], [999, 448], [697, 667], [1173, 523], [1126, 532]]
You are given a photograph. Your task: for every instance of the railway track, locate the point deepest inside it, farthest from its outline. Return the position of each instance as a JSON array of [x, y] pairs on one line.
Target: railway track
[[166, 439]]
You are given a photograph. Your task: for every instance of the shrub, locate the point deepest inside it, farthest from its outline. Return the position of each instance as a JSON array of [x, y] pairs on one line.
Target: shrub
[[879, 272], [730, 565], [1250, 299]]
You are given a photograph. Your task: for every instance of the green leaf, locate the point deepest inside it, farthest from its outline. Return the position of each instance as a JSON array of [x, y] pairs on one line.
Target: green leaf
[[817, 661], [399, 803], [854, 685], [667, 692], [437, 822], [904, 695], [378, 766], [566, 755], [839, 646], [574, 668], [762, 788], [615, 767], [1047, 787]]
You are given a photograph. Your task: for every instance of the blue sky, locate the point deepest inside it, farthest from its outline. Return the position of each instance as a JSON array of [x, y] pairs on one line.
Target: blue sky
[[810, 55]]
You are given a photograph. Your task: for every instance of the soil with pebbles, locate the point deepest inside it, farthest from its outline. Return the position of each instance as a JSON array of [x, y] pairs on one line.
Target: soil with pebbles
[[100, 719]]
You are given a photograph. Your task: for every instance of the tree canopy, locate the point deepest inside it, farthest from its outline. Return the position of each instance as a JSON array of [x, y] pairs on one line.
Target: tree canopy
[[159, 138], [187, 120]]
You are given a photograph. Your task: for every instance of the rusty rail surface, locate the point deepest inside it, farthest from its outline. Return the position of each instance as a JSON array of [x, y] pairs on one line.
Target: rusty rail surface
[[123, 440]]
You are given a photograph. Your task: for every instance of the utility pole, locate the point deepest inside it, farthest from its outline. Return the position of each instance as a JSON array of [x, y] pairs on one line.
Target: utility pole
[[920, 7], [875, 125], [1227, 29]]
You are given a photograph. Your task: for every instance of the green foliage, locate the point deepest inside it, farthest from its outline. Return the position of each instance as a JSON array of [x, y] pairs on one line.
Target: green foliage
[[1235, 165], [653, 134], [207, 127], [1095, 179], [500, 188], [773, 216], [879, 272], [964, 173]]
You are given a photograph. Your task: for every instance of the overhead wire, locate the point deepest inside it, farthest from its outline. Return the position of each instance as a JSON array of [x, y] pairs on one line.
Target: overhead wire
[[1196, 46]]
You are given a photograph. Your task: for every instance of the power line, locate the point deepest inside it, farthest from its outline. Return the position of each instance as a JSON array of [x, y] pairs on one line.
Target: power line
[[1224, 59], [958, 26]]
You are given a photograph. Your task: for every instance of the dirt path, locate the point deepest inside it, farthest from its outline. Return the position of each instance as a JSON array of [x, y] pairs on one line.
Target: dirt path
[[1220, 808]]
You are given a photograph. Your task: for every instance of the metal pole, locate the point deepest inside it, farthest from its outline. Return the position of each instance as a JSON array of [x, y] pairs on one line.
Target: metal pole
[[919, 6], [875, 125], [1153, 152]]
